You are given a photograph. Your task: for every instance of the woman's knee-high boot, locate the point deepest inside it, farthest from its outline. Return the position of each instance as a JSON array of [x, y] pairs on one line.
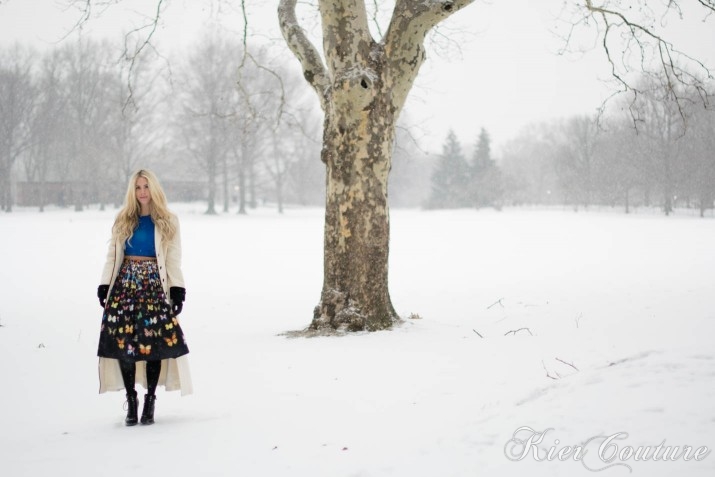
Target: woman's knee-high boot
[[132, 407], [148, 410]]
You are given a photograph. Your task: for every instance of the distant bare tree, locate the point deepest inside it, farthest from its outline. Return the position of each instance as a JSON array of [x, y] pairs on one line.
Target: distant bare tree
[[283, 136], [662, 122], [135, 128], [698, 163], [575, 165], [88, 74], [528, 162], [48, 123], [306, 179], [17, 104], [209, 97], [245, 145], [620, 158], [409, 183]]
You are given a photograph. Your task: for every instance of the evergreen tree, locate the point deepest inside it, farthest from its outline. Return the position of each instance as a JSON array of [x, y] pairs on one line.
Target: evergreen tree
[[482, 153], [485, 188], [450, 177]]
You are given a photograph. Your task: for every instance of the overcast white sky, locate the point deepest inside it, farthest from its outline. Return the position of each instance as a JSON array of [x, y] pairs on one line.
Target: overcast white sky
[[504, 75]]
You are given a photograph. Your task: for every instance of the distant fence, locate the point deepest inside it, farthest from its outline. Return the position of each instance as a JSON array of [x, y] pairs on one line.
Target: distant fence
[[35, 194]]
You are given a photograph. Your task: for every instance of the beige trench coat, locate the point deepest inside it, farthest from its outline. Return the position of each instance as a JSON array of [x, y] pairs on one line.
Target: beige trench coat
[[175, 373]]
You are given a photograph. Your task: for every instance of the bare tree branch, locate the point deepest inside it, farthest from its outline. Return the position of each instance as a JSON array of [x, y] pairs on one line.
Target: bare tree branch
[[245, 26], [548, 374], [374, 17], [679, 72], [86, 14], [247, 95], [404, 39], [133, 57], [413, 139], [568, 364], [498, 302], [86, 8], [709, 4], [516, 331], [313, 68]]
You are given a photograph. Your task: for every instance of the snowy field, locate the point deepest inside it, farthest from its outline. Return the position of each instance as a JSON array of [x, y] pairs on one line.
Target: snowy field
[[616, 316]]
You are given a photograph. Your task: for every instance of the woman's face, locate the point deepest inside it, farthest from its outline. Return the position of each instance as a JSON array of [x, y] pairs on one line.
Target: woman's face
[[143, 194]]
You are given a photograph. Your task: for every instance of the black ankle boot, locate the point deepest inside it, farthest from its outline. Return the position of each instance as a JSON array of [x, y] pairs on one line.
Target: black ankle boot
[[148, 410], [132, 407]]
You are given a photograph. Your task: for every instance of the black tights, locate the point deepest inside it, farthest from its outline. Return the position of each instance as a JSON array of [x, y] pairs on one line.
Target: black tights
[[129, 371]]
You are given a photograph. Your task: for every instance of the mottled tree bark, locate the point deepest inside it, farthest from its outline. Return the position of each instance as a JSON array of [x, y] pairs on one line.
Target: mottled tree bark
[[357, 233], [362, 87]]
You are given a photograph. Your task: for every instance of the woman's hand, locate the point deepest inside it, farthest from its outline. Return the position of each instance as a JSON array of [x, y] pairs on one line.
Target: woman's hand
[[102, 291], [178, 295]]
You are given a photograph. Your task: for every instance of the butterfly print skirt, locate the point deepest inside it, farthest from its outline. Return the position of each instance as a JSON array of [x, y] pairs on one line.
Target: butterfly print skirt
[[138, 323]]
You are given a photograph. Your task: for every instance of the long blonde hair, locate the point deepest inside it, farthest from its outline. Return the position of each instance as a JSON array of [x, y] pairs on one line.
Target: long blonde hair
[[128, 217]]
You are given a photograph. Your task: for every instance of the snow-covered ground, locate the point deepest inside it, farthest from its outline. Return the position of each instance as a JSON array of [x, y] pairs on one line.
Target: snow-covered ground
[[618, 311]]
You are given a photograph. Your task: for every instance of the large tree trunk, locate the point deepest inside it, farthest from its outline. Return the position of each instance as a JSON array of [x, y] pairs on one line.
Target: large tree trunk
[[361, 86], [355, 292]]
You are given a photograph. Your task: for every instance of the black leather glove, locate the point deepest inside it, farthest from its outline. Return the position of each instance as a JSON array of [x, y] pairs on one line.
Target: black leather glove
[[102, 291], [178, 295]]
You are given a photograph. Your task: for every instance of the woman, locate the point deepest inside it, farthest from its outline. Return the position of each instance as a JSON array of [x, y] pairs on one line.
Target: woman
[[142, 293]]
